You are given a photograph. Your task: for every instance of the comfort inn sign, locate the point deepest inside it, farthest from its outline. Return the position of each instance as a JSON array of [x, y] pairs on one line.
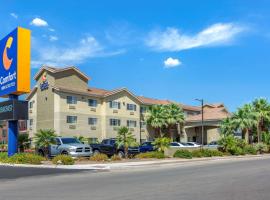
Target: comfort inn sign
[[15, 63]]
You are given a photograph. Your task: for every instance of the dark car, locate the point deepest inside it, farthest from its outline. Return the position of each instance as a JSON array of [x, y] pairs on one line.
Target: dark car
[[146, 147], [110, 148]]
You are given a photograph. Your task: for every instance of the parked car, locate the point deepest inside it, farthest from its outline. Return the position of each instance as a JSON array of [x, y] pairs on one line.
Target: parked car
[[109, 147], [178, 145], [68, 146], [193, 144], [213, 144], [146, 147]]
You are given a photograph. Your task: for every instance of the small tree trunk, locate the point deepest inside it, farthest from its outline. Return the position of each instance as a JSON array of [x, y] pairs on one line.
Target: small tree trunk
[[247, 136]]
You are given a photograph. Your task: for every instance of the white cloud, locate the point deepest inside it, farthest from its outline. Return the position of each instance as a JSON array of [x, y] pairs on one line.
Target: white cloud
[[38, 22], [51, 29], [173, 40], [78, 53], [53, 38], [171, 62], [14, 15]]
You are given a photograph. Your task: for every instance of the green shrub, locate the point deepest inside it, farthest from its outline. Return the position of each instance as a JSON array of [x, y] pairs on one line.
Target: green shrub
[[197, 153], [249, 149], [100, 157], [23, 158], [211, 152], [116, 158], [161, 144], [261, 148], [236, 151], [153, 154], [3, 156], [183, 153], [63, 160]]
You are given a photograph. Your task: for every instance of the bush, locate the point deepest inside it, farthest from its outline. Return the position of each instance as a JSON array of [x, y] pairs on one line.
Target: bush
[[100, 157], [236, 151], [211, 152], [249, 149], [183, 153], [161, 144], [153, 154], [261, 148], [21, 158], [116, 158], [63, 160], [197, 153]]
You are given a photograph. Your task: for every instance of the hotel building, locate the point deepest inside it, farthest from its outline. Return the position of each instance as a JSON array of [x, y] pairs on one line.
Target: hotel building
[[63, 101]]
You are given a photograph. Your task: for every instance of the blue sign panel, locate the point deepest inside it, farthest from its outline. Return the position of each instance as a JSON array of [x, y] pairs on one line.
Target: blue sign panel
[[8, 64]]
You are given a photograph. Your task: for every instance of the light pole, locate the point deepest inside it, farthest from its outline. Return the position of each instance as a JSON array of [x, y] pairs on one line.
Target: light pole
[[202, 104]]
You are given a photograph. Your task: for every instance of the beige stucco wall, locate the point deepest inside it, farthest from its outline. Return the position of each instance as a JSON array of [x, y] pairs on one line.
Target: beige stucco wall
[[32, 115]]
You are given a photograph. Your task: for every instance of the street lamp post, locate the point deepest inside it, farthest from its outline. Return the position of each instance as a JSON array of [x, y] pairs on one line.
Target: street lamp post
[[202, 104]]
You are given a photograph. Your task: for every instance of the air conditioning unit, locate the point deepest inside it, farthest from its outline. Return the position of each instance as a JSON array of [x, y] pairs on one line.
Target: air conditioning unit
[[93, 109], [115, 128], [93, 128], [142, 130], [72, 126], [131, 129], [72, 107], [115, 111], [30, 111], [131, 113], [30, 128]]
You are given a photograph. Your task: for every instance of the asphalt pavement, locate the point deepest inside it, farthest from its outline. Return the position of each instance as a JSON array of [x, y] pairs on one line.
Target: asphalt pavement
[[219, 180]]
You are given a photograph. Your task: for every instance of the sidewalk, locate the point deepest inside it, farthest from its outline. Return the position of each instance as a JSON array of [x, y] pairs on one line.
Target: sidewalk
[[140, 164]]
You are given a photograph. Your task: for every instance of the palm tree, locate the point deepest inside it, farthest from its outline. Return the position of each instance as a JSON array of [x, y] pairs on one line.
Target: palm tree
[[244, 119], [227, 126], [173, 115], [262, 111], [155, 118], [44, 138], [23, 141], [125, 138]]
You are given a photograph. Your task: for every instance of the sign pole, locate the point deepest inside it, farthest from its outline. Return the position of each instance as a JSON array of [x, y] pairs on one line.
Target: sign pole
[[12, 132]]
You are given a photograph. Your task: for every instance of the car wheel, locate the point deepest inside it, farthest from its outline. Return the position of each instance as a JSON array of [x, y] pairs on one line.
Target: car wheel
[[121, 154], [96, 152], [64, 153]]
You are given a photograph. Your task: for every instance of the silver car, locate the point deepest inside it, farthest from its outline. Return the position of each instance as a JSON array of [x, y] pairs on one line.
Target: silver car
[[70, 146]]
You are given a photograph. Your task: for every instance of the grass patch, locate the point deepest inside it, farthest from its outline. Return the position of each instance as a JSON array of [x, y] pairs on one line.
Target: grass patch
[[183, 153], [63, 160], [100, 157], [22, 158], [152, 154]]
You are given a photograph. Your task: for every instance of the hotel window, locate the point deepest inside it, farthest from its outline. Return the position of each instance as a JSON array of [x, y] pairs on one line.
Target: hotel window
[[115, 104], [131, 123], [92, 121], [131, 107], [92, 102], [115, 122], [71, 100], [143, 109], [31, 122], [31, 104], [71, 119]]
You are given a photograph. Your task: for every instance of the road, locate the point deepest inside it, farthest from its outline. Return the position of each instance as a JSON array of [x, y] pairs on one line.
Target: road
[[219, 180]]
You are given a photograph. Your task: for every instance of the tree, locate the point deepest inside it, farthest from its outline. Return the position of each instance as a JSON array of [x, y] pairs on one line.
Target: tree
[[23, 141], [161, 144], [80, 138], [227, 127], [45, 138], [173, 115], [125, 138], [262, 112], [244, 119], [155, 118]]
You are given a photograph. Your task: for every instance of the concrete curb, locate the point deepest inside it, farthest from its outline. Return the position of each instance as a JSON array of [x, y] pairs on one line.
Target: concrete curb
[[139, 164]]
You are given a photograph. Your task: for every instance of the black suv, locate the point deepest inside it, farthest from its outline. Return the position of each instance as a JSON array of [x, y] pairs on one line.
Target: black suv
[[109, 147]]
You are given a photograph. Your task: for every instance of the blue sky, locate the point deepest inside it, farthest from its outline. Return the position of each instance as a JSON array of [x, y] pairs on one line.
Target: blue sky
[[177, 50]]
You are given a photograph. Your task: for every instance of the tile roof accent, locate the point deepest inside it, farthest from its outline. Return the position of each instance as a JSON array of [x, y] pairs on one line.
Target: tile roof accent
[[151, 101], [58, 70], [217, 112]]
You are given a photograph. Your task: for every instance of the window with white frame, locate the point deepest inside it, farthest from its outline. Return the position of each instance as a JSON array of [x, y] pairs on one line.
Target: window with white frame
[[92, 121], [131, 123], [115, 122], [115, 104], [71, 119], [131, 107], [71, 100], [92, 102]]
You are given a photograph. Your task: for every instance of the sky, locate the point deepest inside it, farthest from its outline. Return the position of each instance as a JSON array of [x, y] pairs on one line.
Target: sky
[[175, 49]]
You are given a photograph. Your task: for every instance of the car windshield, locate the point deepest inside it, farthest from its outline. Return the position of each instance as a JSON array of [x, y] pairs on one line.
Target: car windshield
[[185, 144], [70, 141], [191, 144]]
